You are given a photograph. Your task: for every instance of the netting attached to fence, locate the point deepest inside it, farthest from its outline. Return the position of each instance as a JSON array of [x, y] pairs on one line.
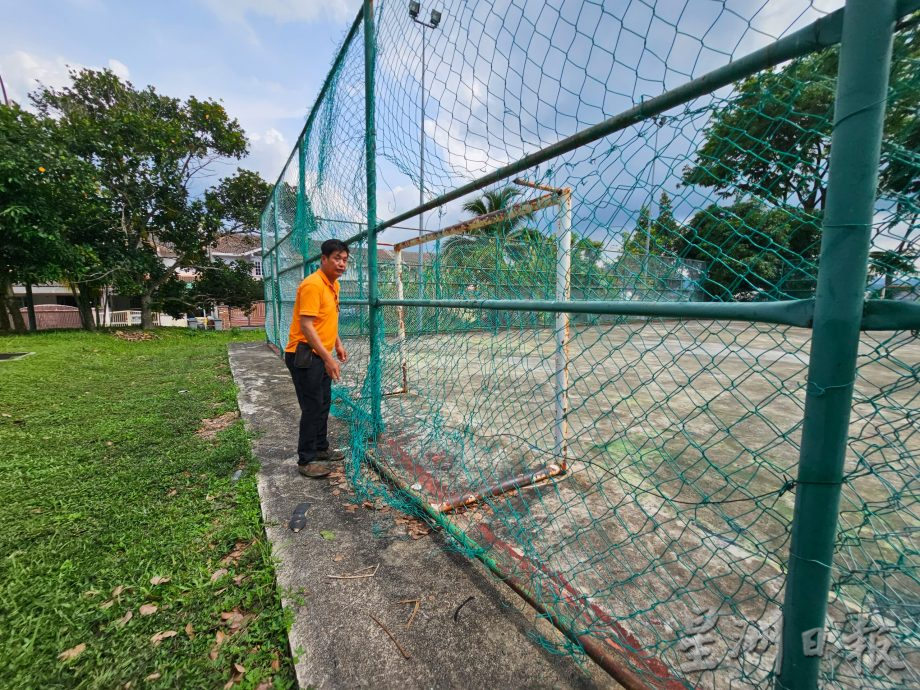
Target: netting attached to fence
[[558, 388]]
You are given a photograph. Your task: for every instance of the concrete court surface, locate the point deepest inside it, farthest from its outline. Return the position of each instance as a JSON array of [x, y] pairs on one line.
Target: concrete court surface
[[336, 642]]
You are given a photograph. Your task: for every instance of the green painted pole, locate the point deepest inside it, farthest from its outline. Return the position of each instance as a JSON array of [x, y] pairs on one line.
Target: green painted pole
[[300, 222], [375, 318], [265, 292], [437, 281], [862, 85], [276, 285]]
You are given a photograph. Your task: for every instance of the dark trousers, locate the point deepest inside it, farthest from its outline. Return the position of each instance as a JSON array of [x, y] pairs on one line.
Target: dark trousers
[[314, 393]]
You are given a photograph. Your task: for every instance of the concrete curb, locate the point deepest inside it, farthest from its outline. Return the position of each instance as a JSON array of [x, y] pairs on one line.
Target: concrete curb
[[335, 640]]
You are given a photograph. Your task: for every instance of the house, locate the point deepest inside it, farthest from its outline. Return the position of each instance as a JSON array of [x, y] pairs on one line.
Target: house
[[117, 310]]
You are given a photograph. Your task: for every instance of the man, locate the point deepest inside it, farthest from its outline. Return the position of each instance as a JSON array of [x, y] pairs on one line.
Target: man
[[314, 334]]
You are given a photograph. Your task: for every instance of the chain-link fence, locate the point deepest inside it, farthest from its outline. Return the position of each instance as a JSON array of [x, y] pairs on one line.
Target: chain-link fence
[[648, 348]]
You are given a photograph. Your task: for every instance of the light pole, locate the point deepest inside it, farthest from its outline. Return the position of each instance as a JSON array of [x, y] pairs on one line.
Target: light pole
[[414, 9]]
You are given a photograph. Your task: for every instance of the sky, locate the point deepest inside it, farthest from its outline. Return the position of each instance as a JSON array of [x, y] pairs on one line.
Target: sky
[[503, 78], [264, 59]]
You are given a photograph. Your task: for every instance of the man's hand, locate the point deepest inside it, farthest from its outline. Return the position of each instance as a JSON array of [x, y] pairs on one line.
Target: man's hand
[[333, 369], [340, 352]]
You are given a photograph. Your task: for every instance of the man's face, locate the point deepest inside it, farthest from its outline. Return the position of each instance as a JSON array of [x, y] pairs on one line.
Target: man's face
[[335, 263]]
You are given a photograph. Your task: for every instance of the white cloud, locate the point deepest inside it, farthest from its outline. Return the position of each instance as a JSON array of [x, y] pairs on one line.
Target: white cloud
[[23, 73], [120, 69], [268, 152]]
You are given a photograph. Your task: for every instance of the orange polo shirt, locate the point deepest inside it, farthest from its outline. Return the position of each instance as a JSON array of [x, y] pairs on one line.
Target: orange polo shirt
[[318, 297]]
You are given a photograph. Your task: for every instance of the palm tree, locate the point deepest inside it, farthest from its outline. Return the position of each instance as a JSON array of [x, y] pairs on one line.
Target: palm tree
[[486, 252]]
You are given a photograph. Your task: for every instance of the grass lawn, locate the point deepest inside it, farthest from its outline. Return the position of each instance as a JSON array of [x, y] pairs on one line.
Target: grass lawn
[[123, 535]]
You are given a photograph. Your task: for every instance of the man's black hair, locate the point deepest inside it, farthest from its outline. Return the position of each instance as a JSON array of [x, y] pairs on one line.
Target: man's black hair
[[329, 247]]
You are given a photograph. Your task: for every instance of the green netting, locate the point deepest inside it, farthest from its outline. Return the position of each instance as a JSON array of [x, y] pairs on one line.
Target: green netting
[[634, 474]]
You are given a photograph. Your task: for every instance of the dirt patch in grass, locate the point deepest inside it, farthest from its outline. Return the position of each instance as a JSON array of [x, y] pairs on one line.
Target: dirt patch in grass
[[209, 427]]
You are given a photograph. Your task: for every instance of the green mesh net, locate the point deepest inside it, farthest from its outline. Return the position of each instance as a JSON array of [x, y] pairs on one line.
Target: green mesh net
[[631, 471]]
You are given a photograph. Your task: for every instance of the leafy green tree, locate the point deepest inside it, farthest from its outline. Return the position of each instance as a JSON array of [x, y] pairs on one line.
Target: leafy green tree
[[218, 283], [150, 153], [47, 195], [653, 237], [238, 201], [771, 141], [752, 250]]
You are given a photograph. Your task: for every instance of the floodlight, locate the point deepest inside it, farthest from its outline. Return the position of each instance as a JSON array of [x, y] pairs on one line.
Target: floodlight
[[414, 9], [435, 19]]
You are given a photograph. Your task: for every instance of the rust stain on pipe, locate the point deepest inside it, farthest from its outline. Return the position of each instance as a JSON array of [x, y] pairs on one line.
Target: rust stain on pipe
[[503, 487], [482, 221], [657, 675]]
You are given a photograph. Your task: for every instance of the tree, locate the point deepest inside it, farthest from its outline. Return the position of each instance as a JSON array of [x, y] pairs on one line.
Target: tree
[[218, 283], [46, 193], [238, 201], [771, 140], [149, 152], [653, 237], [752, 250]]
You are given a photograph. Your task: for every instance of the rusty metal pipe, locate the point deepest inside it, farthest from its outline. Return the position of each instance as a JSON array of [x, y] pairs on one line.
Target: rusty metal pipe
[[502, 214], [593, 648], [502, 487]]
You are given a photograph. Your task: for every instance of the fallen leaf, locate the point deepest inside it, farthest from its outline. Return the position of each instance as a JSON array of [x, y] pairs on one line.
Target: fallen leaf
[[276, 663], [107, 604], [234, 556], [218, 641], [124, 619], [338, 558], [336, 492], [73, 652], [117, 591], [160, 636], [91, 593], [217, 574], [171, 493], [239, 579], [148, 609], [153, 676], [265, 685], [190, 631], [158, 580], [239, 668], [350, 507], [220, 591], [327, 535]]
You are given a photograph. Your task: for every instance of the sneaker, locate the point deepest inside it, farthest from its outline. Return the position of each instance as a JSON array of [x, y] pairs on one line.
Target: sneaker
[[330, 455], [314, 470]]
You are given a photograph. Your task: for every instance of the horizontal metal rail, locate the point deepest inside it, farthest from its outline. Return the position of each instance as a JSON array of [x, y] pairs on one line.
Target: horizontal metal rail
[[501, 215], [822, 33], [878, 314], [890, 315], [789, 312]]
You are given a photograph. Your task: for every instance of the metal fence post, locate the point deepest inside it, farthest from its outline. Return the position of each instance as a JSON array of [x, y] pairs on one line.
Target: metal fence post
[[375, 322], [862, 84], [276, 285], [300, 221]]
